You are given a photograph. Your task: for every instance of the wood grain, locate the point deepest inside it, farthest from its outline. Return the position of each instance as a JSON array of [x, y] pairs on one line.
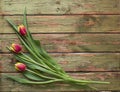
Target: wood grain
[[82, 35], [65, 24], [12, 7], [112, 77], [73, 62], [70, 42]]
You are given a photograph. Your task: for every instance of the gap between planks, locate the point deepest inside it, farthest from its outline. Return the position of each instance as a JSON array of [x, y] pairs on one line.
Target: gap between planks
[[80, 52], [116, 71], [67, 33], [1, 14]]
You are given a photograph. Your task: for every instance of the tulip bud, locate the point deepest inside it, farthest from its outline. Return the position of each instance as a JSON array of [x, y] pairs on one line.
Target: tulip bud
[[20, 66], [22, 30], [16, 48]]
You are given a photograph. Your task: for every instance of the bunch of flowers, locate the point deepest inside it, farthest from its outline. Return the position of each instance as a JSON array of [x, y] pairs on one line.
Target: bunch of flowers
[[37, 65]]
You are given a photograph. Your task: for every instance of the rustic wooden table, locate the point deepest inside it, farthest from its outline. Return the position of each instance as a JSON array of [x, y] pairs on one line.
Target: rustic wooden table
[[82, 35]]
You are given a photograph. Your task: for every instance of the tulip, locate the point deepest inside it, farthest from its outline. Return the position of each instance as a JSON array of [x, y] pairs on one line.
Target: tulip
[[16, 48], [20, 66], [22, 30]]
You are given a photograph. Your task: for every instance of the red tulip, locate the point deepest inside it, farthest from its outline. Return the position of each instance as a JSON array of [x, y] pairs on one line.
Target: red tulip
[[20, 66], [16, 48], [22, 30]]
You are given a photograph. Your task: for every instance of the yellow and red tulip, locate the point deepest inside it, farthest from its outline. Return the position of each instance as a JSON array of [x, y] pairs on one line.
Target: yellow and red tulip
[[15, 48], [22, 30], [20, 66]]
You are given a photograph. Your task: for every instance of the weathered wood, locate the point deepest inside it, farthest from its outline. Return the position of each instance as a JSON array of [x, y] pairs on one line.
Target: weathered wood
[[60, 6], [112, 77], [70, 42], [73, 61], [97, 20], [74, 23]]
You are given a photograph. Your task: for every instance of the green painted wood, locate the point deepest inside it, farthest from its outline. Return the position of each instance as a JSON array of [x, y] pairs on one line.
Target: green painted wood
[[73, 23], [112, 77], [60, 6], [70, 42], [104, 18], [73, 61]]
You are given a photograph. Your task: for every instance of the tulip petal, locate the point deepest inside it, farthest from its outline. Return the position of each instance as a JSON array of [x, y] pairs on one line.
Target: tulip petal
[[20, 66], [22, 30], [16, 48]]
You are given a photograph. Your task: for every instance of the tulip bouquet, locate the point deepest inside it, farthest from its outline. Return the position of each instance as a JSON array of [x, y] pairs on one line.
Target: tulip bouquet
[[37, 65]]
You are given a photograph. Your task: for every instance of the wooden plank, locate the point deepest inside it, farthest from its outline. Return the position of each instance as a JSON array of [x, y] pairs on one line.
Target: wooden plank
[[112, 77], [73, 61], [70, 42], [74, 23], [60, 7]]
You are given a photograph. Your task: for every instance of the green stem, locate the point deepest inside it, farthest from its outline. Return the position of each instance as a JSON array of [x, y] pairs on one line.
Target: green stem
[[46, 82], [87, 82]]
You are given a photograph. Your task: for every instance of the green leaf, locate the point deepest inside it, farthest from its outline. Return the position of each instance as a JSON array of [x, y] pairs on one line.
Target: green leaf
[[41, 75], [38, 45], [41, 69], [44, 53], [25, 18], [32, 76], [37, 42], [37, 67], [20, 58], [26, 23], [25, 81], [20, 80]]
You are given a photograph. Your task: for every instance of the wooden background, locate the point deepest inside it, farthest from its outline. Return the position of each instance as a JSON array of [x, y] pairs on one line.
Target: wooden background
[[82, 35]]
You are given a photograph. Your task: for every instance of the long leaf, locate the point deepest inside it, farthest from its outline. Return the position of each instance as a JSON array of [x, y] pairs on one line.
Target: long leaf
[[41, 75], [32, 76], [25, 81], [41, 69], [26, 23], [48, 59]]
